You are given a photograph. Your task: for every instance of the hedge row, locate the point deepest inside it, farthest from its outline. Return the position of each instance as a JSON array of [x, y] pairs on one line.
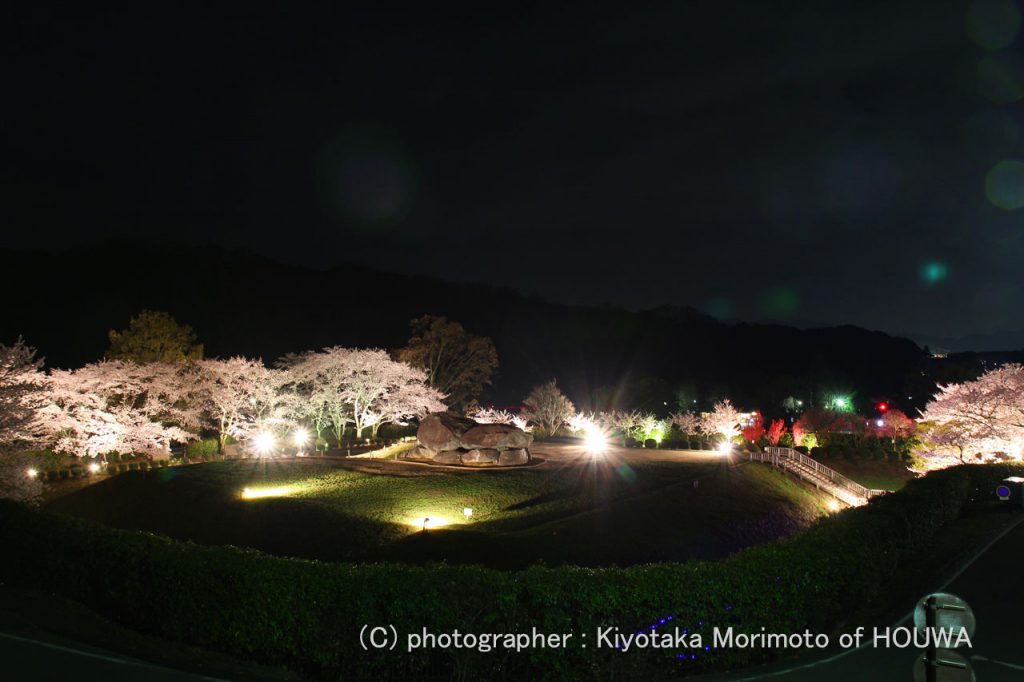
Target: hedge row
[[308, 615]]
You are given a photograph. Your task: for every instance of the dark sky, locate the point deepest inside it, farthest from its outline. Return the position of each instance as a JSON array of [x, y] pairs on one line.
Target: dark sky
[[806, 162]]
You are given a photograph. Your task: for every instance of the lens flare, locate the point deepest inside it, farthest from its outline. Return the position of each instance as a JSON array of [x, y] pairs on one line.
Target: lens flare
[[264, 442]]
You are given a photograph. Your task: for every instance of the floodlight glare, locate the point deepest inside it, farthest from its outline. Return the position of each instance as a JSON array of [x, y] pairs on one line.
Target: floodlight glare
[[264, 442], [725, 447], [300, 437], [94, 468], [594, 441], [467, 511], [31, 473]]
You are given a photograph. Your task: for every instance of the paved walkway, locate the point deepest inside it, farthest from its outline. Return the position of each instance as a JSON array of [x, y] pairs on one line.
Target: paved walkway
[[988, 583]]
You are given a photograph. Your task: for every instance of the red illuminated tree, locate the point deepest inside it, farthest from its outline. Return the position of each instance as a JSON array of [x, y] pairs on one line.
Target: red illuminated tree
[[752, 432], [775, 431]]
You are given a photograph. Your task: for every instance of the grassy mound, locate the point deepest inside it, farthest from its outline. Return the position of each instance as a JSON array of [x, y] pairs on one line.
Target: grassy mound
[[581, 513]]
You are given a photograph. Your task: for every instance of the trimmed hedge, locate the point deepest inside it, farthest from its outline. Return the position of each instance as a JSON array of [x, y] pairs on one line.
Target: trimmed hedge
[[307, 615]]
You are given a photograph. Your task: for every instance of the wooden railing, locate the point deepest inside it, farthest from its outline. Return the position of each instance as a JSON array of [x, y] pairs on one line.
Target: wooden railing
[[779, 456]]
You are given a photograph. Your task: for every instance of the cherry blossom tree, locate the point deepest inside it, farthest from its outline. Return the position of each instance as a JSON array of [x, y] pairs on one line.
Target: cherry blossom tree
[[488, 415], [548, 408], [408, 396], [238, 395], [984, 418], [362, 388], [626, 423], [688, 423], [118, 406], [23, 389], [318, 379], [724, 420], [381, 390]]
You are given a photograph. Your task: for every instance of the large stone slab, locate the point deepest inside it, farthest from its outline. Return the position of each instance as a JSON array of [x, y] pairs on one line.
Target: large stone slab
[[507, 458], [420, 453], [480, 457], [497, 436], [449, 457], [443, 431]]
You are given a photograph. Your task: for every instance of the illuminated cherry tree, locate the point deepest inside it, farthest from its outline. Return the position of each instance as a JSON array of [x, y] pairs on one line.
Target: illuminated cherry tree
[[362, 388], [724, 420], [117, 406], [317, 380], [688, 423], [981, 420], [487, 415], [238, 396], [23, 389], [627, 423], [380, 390], [548, 408]]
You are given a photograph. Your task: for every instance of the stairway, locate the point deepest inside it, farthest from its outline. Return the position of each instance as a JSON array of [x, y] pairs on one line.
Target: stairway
[[814, 472]]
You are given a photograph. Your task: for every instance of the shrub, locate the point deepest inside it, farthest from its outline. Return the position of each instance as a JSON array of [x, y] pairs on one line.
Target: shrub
[[201, 450], [307, 614]]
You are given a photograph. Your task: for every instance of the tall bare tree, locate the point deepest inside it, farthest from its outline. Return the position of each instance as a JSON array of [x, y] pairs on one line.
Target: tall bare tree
[[458, 364]]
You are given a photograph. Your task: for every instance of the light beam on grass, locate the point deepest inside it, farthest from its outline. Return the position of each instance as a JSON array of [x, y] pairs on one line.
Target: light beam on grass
[[257, 493], [428, 521]]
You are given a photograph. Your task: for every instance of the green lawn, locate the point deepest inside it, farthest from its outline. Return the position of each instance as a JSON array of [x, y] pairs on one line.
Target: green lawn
[[876, 474], [589, 513]]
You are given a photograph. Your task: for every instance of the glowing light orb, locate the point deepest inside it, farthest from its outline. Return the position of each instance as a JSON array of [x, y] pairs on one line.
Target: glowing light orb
[[94, 468], [31, 473], [300, 437], [264, 442], [595, 442], [257, 493]]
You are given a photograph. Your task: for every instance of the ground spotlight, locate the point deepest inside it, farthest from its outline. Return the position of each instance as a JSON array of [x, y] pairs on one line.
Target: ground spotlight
[[300, 437]]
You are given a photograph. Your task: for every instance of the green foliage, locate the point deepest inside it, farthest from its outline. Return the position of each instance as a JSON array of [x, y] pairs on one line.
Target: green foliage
[[202, 450], [457, 363], [45, 460], [154, 336], [307, 615]]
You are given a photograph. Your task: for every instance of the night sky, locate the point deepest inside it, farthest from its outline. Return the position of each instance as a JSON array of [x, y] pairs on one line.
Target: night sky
[[811, 163]]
